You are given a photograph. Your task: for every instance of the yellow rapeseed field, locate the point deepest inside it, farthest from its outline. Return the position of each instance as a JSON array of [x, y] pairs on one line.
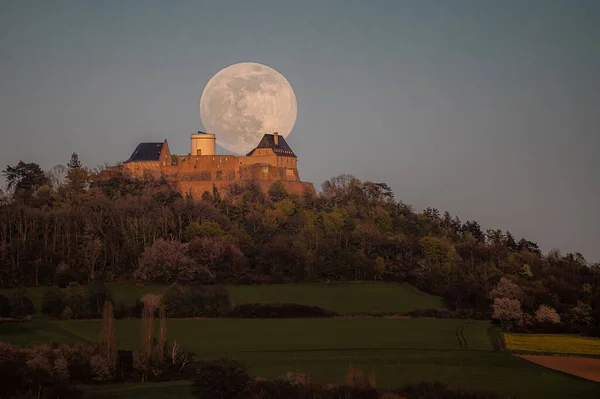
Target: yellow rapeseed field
[[552, 343]]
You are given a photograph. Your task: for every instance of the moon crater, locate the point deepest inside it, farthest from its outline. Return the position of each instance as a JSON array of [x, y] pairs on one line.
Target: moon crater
[[243, 102]]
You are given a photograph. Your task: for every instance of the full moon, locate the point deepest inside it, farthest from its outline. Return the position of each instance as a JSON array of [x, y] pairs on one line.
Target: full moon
[[243, 102]]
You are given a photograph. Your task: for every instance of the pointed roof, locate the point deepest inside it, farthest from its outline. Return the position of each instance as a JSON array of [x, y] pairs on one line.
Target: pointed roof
[[282, 148], [145, 152]]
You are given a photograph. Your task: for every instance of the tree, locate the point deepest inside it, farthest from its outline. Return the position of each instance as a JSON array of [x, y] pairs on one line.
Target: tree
[[108, 337], [216, 195], [152, 302], [25, 178], [507, 311], [75, 299], [546, 314], [4, 198], [218, 256], [146, 339], [277, 191], [166, 262], [379, 266], [506, 289], [175, 302], [97, 296], [77, 176], [206, 229], [90, 253], [58, 176], [162, 340], [4, 306], [74, 163], [20, 304], [53, 302]]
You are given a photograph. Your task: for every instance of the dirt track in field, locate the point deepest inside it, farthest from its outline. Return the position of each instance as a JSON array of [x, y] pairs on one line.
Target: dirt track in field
[[583, 367]]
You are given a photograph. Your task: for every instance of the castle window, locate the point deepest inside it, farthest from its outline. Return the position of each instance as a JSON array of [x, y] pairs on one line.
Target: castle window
[[220, 159], [182, 159], [225, 159], [260, 151], [265, 169], [213, 158], [289, 172], [218, 166]]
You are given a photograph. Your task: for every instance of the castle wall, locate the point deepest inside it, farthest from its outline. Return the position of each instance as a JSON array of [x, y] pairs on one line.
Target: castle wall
[[193, 174], [195, 189]]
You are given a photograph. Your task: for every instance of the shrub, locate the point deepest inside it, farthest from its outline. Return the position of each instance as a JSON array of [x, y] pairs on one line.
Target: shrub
[[217, 301], [277, 310], [221, 379], [437, 390], [175, 302], [295, 378], [433, 313], [4, 306], [66, 314], [197, 300], [65, 274], [100, 368], [53, 301], [353, 392], [97, 294], [20, 304], [74, 296], [122, 311]]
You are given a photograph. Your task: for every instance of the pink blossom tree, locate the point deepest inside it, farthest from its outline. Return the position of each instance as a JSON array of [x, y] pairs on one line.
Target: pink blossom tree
[[168, 261], [546, 314], [508, 312], [506, 289]]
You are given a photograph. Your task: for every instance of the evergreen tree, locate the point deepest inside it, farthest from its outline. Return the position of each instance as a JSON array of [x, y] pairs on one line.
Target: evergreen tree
[[77, 175]]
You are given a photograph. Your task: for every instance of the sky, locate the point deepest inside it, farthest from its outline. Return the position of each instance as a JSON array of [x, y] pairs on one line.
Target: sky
[[487, 109]]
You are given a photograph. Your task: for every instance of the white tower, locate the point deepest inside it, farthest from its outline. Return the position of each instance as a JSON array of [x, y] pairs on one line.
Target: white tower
[[203, 144]]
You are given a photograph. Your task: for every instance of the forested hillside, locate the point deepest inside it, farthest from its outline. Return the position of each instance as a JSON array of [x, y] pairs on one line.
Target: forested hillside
[[70, 224]]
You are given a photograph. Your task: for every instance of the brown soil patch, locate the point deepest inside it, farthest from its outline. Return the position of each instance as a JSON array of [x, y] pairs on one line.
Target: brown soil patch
[[584, 367]]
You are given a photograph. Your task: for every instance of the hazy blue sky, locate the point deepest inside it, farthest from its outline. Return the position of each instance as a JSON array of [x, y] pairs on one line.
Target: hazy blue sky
[[487, 109]]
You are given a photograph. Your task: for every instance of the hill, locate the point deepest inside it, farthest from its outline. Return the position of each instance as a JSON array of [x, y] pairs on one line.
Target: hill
[[90, 228]]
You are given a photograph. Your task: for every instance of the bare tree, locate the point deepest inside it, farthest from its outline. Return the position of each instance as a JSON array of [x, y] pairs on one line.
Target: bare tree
[[58, 176]]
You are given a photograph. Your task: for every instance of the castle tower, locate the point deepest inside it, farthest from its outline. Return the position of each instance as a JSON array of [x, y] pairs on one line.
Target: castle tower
[[203, 144]]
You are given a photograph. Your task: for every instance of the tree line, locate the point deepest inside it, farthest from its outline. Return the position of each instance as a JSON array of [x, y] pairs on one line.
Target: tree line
[[74, 224]]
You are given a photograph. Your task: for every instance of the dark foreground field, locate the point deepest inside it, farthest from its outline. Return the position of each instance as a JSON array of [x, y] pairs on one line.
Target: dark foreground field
[[399, 351], [368, 297]]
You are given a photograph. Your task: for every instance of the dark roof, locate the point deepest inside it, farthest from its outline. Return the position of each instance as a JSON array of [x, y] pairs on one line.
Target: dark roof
[[282, 149], [146, 152]]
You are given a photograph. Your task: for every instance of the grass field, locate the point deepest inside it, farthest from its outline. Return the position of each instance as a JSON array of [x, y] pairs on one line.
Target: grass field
[[399, 351], [553, 343], [371, 297]]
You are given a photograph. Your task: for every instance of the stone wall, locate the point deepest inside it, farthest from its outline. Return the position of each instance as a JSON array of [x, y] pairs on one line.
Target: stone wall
[[193, 175], [195, 189]]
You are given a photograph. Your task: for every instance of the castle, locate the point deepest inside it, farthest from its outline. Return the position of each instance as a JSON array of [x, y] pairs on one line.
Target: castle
[[272, 160]]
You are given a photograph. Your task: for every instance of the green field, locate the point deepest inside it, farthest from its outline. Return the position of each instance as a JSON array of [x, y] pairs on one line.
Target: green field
[[399, 351], [346, 298]]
